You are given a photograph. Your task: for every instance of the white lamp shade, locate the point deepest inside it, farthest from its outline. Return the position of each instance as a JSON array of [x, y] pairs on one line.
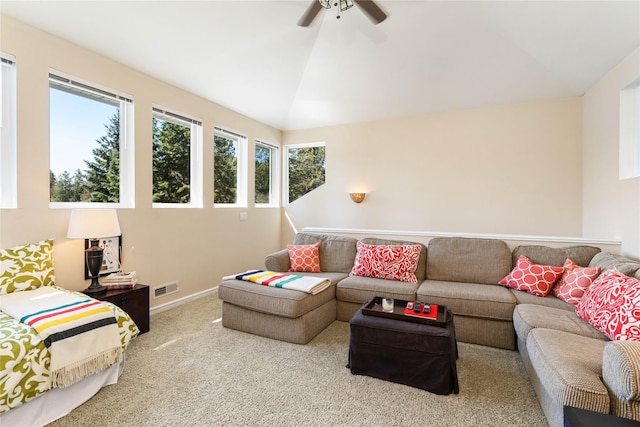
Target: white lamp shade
[[93, 223]]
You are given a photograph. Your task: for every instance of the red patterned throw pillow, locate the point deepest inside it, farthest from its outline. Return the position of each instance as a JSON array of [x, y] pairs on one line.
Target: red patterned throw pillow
[[393, 262], [533, 278], [304, 258], [612, 305], [574, 281]]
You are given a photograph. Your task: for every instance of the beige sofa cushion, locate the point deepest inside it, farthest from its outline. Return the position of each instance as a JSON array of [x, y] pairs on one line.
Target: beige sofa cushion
[[569, 367], [469, 299], [268, 299], [546, 255], [459, 259], [523, 297], [624, 265], [526, 317], [337, 253], [358, 289], [422, 261]]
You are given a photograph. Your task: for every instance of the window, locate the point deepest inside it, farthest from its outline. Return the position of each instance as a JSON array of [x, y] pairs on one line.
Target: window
[[177, 170], [229, 168], [305, 169], [91, 144], [8, 163], [630, 131], [266, 174]]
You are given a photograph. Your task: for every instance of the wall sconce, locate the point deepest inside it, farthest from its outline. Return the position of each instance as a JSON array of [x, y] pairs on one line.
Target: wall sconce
[[357, 197]]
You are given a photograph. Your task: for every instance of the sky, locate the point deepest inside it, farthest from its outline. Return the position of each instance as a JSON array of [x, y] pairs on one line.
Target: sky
[[76, 123]]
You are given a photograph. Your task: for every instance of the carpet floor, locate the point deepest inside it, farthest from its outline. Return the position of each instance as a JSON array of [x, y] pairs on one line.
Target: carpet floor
[[190, 371]]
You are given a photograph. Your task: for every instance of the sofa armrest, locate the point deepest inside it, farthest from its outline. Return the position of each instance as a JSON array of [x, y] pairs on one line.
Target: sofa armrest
[[621, 375], [278, 261]]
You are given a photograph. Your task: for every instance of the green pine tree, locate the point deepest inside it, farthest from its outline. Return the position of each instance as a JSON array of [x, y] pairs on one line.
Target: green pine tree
[[103, 173], [52, 186], [225, 170], [79, 185], [171, 162], [263, 174], [306, 170], [63, 189]]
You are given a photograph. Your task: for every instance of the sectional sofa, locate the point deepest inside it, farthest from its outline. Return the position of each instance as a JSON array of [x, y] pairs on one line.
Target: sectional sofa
[[569, 361]]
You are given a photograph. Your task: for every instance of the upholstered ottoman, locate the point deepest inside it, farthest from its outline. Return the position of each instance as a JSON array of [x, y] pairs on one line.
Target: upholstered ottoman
[[282, 314], [414, 354]]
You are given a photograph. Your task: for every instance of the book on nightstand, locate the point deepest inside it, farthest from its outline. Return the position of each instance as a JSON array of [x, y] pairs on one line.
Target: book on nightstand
[[120, 280], [120, 286]]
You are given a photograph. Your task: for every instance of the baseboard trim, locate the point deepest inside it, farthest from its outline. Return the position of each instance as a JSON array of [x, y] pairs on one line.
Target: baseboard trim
[[175, 303]]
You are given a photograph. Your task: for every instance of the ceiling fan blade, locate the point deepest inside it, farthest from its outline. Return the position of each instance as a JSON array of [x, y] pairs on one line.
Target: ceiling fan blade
[[372, 10], [310, 14]]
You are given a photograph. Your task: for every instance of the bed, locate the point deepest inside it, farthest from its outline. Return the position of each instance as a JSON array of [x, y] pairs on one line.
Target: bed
[[29, 394]]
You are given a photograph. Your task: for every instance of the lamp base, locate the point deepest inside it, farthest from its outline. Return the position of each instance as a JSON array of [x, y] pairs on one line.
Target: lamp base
[[94, 261], [94, 289]]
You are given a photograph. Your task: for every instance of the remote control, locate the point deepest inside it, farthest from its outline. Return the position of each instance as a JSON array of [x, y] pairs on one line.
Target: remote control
[[427, 308], [416, 307]]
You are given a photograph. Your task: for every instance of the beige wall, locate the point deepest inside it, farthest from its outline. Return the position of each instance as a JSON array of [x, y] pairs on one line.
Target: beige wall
[[194, 246], [512, 169], [611, 206]]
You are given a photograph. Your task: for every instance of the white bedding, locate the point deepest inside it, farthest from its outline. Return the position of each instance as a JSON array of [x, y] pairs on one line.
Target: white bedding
[[58, 402], [25, 361]]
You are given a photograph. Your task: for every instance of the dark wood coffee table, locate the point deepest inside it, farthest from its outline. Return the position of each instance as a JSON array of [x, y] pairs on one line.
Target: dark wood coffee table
[[406, 352]]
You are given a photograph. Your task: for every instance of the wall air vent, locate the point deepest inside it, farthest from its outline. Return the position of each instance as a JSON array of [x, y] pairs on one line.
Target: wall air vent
[[166, 289]]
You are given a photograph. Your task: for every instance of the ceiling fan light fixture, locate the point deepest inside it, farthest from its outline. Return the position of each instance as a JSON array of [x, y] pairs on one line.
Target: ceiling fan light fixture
[[345, 4], [369, 7]]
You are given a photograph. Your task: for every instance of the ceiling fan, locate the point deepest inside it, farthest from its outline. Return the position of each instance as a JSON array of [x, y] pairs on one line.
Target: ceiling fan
[[369, 7]]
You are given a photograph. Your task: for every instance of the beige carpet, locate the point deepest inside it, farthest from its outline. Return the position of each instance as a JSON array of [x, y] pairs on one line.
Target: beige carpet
[[190, 371]]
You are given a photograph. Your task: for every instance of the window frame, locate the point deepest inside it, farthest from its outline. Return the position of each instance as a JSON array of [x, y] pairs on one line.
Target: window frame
[[195, 157], [285, 165], [242, 165], [8, 132], [127, 139], [629, 160], [274, 160]]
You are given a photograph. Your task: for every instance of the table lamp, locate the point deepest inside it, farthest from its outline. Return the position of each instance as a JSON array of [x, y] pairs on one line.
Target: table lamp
[[92, 224]]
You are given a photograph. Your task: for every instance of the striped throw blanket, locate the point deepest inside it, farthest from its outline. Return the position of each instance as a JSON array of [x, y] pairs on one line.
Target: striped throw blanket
[[81, 333], [309, 284]]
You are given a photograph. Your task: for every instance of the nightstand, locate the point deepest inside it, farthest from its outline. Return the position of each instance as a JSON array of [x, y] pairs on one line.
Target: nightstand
[[135, 302]]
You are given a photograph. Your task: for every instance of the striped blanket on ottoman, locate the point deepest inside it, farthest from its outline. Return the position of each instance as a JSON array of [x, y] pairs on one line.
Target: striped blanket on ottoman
[[310, 284], [81, 333]]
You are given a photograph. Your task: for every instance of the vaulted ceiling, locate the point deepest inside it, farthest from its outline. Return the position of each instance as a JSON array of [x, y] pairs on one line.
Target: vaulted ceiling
[[427, 56]]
